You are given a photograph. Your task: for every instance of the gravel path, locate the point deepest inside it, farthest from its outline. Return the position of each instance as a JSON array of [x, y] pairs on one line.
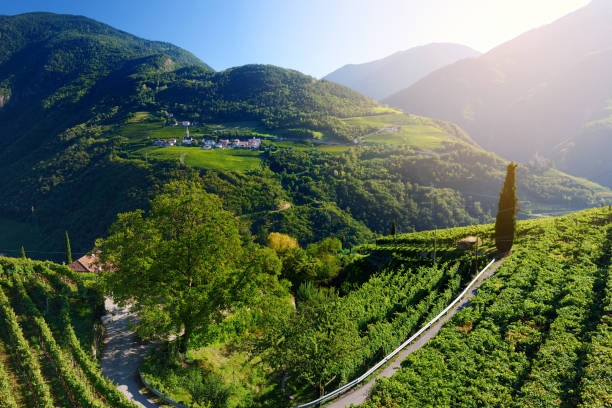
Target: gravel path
[[360, 395], [123, 353]]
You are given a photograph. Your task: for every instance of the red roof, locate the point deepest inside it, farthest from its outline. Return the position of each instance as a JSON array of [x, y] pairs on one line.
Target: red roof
[[84, 264]]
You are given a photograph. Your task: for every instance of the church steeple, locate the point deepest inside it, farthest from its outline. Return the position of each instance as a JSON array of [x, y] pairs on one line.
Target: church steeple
[[187, 132]]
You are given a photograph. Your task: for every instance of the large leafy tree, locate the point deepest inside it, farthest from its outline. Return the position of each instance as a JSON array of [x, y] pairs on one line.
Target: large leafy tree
[[314, 342], [183, 266], [505, 223]]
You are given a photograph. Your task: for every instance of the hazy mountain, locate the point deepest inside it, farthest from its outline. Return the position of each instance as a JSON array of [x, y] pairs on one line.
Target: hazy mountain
[[547, 91], [381, 78]]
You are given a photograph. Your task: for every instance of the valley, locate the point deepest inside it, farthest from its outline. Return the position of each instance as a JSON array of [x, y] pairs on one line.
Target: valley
[[256, 237]]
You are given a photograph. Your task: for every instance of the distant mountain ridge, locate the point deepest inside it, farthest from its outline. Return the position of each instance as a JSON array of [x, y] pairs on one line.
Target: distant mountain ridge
[[381, 78], [548, 91]]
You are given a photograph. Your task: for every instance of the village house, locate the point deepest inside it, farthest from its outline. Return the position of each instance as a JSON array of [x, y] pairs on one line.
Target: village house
[[238, 144], [172, 142], [85, 264], [254, 143], [185, 123]]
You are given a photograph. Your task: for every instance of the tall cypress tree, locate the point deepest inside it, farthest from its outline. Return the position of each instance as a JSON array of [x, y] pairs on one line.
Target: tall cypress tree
[[23, 255], [68, 250], [505, 223]]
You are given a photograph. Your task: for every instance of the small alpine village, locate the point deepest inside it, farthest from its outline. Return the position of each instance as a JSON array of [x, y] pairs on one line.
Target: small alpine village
[[385, 224], [209, 144]]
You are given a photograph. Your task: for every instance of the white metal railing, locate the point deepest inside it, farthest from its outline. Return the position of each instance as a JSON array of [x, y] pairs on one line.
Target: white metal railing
[[365, 375]]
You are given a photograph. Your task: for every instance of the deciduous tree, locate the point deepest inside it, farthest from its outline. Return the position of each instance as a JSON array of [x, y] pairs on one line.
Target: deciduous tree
[[183, 265]]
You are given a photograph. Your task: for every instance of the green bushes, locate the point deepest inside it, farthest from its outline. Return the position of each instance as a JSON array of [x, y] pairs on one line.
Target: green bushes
[[6, 393], [78, 390], [596, 383], [346, 335], [103, 386], [524, 338], [21, 350]]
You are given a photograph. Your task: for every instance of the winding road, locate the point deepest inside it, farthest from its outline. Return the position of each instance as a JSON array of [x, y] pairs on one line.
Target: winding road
[[360, 395], [123, 353]]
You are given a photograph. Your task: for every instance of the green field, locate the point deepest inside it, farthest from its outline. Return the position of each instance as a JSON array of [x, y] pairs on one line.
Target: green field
[[226, 159], [419, 132], [418, 136], [144, 128]]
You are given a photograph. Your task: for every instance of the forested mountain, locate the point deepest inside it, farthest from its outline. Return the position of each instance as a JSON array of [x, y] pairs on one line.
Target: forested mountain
[[384, 77], [547, 91], [83, 104]]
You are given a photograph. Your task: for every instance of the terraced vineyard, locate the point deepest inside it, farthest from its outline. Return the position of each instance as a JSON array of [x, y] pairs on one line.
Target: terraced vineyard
[[43, 363], [538, 333]]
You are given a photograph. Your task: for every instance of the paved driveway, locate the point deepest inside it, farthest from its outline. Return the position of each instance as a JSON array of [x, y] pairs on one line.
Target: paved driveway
[[123, 353]]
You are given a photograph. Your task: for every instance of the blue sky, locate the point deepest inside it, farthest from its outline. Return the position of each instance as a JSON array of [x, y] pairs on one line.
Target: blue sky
[[312, 36]]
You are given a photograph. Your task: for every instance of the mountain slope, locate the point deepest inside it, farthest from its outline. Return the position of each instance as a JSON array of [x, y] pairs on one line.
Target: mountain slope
[[76, 145], [536, 334], [536, 93], [381, 78]]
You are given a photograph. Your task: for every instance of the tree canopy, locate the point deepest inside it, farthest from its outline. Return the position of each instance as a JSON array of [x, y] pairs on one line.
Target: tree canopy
[[182, 266]]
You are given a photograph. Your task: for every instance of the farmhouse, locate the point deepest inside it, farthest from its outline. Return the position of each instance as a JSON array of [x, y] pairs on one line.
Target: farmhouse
[[86, 263]]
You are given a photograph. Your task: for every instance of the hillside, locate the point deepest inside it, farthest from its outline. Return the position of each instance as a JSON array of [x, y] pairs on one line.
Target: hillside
[[77, 146], [537, 334], [545, 91], [384, 77], [48, 316]]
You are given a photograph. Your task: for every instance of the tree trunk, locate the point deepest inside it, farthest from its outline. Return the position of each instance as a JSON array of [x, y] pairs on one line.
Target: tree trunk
[[184, 340]]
